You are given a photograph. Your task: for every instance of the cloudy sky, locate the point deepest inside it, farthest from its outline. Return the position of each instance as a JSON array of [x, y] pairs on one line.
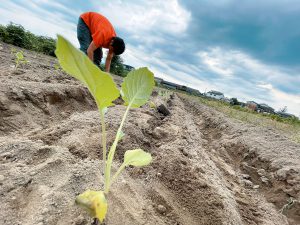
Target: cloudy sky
[[247, 49]]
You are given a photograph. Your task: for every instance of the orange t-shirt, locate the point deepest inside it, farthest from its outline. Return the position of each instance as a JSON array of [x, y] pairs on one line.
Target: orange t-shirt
[[101, 29]]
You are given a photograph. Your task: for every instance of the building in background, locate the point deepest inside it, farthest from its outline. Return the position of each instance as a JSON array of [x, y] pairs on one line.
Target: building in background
[[215, 94], [252, 105], [264, 108]]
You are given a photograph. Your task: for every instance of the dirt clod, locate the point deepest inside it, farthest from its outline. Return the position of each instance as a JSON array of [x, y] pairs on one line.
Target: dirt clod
[[161, 209], [163, 110]]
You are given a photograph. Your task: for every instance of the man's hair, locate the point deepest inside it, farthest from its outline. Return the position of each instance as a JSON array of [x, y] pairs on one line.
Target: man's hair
[[118, 45]]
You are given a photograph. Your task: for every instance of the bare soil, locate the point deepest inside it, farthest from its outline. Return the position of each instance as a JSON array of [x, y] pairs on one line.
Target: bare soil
[[207, 169]]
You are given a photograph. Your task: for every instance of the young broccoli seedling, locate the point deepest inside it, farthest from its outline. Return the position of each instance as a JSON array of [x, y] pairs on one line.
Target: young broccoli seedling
[[20, 59], [57, 67], [152, 105], [135, 91], [13, 50]]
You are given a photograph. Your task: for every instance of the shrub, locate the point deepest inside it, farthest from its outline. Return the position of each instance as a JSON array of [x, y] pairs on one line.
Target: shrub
[[16, 35]]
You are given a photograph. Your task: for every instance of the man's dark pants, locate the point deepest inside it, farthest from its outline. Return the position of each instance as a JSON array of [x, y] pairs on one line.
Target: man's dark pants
[[85, 38]]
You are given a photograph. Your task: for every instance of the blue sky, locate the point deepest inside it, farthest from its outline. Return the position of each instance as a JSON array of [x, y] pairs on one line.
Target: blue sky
[[247, 49]]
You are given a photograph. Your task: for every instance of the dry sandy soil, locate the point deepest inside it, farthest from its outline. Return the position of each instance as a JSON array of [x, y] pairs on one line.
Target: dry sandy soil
[[207, 169]]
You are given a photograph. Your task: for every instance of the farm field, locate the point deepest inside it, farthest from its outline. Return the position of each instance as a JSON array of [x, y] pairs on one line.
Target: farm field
[[208, 168]]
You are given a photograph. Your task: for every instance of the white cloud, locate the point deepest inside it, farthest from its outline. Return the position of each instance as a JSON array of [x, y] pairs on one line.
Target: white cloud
[[215, 63], [280, 99], [141, 17], [232, 62], [165, 69], [244, 77]]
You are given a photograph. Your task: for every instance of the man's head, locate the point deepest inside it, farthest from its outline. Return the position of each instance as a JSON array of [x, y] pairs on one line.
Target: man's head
[[118, 45]]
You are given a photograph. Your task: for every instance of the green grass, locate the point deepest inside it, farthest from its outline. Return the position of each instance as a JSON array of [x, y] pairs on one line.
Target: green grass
[[290, 126]]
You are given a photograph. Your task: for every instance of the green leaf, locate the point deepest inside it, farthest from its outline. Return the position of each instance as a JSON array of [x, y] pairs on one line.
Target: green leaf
[[152, 105], [137, 87], [137, 157], [93, 202], [77, 64], [19, 55]]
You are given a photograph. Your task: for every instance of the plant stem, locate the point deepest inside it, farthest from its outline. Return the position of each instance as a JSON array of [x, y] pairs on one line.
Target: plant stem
[[112, 152], [115, 176], [103, 139]]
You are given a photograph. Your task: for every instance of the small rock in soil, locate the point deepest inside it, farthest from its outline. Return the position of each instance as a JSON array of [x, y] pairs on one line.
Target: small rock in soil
[[159, 132], [247, 183], [161, 209], [7, 155], [2, 178], [261, 172], [264, 179], [80, 220], [246, 176]]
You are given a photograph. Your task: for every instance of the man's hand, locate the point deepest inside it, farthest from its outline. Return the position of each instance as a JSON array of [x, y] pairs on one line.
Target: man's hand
[[109, 57], [90, 51]]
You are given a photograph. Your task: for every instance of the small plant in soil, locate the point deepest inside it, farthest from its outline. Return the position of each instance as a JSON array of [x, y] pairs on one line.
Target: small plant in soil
[[57, 67], [135, 91], [288, 205], [13, 50], [152, 105], [20, 59]]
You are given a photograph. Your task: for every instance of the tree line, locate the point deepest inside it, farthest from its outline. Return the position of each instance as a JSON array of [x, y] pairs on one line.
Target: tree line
[[15, 34]]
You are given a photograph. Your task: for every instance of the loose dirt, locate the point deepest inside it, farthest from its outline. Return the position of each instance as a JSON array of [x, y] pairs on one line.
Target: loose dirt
[[207, 168]]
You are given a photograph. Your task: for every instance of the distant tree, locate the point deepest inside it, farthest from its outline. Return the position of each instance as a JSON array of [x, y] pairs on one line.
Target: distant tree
[[15, 35], [234, 101], [31, 41], [3, 33], [116, 66], [283, 110], [46, 45]]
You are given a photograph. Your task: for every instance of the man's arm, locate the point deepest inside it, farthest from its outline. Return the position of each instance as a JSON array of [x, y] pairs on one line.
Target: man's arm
[[90, 50], [110, 54]]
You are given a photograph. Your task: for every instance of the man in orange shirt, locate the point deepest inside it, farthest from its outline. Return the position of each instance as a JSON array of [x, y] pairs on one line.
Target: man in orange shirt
[[95, 32]]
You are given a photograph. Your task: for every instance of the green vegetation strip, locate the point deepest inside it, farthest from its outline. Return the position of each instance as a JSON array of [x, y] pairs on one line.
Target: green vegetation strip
[[290, 126]]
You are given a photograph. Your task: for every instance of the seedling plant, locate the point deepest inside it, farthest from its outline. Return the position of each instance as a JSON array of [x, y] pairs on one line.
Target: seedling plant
[[20, 59], [135, 91]]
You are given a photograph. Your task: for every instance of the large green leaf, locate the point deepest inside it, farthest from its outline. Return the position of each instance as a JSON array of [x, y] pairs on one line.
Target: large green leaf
[[93, 202], [137, 87], [137, 157], [77, 64]]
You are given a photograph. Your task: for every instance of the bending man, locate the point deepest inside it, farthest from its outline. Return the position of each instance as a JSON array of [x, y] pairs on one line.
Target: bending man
[[95, 32]]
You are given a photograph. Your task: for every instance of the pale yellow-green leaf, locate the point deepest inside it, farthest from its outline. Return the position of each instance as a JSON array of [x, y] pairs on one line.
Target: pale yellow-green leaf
[[137, 87], [77, 64], [19, 55], [152, 105], [93, 202], [137, 157]]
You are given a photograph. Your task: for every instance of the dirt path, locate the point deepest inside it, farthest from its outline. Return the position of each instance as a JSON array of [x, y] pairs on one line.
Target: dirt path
[[207, 169], [260, 165]]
